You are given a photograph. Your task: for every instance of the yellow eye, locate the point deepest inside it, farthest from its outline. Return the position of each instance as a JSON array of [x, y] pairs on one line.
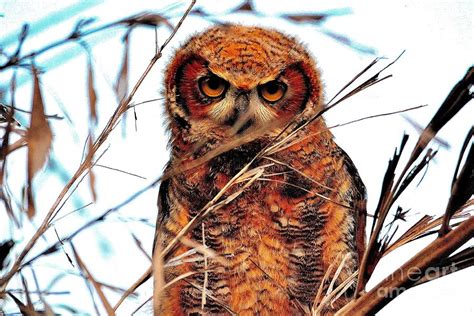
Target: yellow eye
[[213, 86], [272, 91]]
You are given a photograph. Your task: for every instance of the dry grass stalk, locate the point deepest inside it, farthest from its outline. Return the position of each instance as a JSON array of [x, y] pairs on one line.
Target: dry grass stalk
[[89, 162], [139, 245], [78, 33], [206, 274], [423, 227], [189, 256], [318, 298], [330, 297], [97, 286], [322, 302], [215, 299], [337, 273], [182, 166], [281, 139], [158, 278]]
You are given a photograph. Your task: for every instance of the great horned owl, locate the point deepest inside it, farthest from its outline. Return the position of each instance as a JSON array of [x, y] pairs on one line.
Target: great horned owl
[[275, 240]]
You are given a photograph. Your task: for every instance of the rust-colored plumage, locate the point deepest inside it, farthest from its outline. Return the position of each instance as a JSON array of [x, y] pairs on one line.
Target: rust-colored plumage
[[277, 239]]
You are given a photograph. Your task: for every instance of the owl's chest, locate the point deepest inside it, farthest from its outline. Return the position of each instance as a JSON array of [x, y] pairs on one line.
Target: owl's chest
[[280, 204], [270, 236], [274, 234]]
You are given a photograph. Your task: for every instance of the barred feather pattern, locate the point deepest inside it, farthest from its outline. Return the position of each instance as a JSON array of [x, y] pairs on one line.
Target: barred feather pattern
[[276, 240]]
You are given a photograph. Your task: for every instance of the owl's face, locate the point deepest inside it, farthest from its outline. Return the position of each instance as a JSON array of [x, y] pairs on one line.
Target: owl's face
[[231, 79]]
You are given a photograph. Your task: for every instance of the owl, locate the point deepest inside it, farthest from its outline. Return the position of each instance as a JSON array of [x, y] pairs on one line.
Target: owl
[[232, 93]]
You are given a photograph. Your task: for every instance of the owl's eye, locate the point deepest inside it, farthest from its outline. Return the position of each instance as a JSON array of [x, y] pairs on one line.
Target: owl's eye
[[272, 91], [213, 86]]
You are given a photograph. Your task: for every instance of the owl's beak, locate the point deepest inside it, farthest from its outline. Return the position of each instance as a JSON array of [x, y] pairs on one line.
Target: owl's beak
[[241, 105], [241, 118], [242, 102]]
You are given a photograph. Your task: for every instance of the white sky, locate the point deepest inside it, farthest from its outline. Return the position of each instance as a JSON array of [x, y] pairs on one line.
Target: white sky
[[437, 37]]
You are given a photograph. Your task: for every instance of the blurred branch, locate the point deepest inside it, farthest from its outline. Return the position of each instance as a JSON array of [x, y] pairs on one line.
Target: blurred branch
[[78, 33], [53, 116]]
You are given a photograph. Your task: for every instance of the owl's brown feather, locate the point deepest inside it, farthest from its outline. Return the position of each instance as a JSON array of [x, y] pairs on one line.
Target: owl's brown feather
[[282, 233]]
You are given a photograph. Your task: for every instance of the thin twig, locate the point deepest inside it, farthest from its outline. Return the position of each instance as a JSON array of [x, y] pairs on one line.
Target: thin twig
[[206, 274], [121, 171], [53, 116]]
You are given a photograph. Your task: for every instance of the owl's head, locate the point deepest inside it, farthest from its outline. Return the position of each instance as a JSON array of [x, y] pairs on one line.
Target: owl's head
[[230, 79]]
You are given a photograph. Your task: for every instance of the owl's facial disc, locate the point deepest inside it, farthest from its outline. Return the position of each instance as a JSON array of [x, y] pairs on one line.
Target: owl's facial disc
[[207, 93]]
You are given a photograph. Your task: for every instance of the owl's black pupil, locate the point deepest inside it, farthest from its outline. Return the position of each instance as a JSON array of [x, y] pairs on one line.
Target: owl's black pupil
[[272, 87], [213, 83]]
